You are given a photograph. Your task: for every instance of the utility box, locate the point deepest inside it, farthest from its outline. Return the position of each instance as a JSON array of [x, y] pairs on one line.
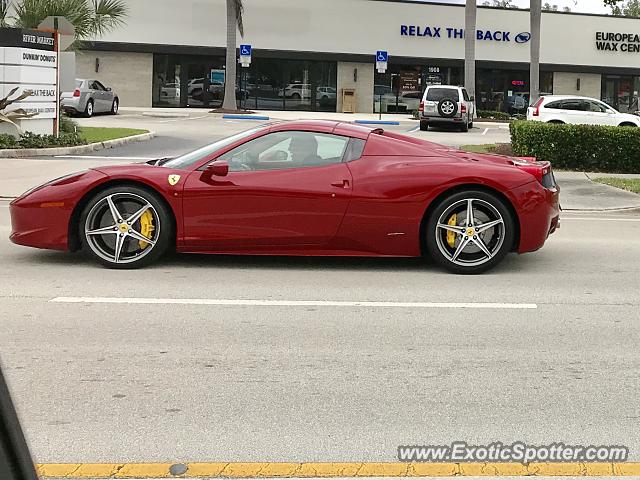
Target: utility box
[[348, 100]]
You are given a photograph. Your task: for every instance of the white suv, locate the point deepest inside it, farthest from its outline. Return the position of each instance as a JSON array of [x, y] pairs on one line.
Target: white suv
[[446, 104], [579, 110]]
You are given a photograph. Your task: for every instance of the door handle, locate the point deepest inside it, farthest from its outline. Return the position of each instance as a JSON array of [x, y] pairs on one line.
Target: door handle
[[340, 184]]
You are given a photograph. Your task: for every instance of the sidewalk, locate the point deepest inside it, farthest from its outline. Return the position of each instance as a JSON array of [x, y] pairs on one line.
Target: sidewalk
[[578, 192]]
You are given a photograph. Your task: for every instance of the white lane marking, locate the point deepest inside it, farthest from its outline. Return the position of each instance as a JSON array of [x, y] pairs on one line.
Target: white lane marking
[[596, 219], [290, 303], [486, 130], [92, 157], [415, 129]]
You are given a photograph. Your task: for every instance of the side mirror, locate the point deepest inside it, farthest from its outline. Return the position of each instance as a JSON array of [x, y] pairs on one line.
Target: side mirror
[[472, 98], [108, 89], [216, 169]]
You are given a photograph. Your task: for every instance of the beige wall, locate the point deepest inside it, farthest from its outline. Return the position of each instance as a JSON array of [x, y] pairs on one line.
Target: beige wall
[[129, 74], [566, 84], [363, 86]]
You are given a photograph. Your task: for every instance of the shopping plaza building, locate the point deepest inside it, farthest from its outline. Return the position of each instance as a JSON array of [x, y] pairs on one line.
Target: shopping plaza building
[[306, 53]]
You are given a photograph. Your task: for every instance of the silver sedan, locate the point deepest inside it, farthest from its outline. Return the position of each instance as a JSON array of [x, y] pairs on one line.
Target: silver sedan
[[89, 97]]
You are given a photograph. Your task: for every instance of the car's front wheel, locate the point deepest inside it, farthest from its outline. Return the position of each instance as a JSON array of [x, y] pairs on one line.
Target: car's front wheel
[[114, 106], [125, 227], [88, 110], [470, 232]]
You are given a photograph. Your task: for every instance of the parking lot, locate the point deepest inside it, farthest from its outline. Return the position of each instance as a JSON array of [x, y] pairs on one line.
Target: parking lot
[[225, 375]]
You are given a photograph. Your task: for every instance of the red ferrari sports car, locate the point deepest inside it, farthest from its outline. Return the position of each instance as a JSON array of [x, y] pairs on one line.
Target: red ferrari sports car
[[300, 188]]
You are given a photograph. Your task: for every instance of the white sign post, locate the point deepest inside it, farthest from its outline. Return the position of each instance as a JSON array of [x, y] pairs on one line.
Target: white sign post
[[382, 61]]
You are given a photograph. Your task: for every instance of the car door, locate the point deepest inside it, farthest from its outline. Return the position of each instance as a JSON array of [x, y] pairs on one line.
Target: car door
[[107, 96], [575, 111], [96, 95], [285, 189]]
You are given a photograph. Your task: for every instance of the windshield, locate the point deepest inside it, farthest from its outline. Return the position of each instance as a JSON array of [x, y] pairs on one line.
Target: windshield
[[185, 161]]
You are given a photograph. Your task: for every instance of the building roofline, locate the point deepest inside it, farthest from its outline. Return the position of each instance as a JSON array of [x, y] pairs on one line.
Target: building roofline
[[443, 4]]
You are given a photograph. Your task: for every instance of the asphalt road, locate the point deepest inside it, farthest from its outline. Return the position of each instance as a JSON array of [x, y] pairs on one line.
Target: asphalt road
[[126, 382], [206, 380]]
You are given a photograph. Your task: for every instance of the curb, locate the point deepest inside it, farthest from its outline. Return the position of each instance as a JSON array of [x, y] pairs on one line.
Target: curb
[[80, 149], [165, 115], [328, 470]]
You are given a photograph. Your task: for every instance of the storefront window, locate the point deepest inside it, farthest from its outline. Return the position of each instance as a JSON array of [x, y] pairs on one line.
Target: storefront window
[[507, 90], [274, 84], [400, 89], [621, 92]]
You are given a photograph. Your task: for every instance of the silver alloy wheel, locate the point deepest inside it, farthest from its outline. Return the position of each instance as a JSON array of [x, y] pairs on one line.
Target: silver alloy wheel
[[479, 232], [114, 109], [112, 228], [90, 108], [448, 107]]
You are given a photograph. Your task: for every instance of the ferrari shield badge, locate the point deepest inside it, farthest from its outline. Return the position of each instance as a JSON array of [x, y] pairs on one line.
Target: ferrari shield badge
[[173, 179]]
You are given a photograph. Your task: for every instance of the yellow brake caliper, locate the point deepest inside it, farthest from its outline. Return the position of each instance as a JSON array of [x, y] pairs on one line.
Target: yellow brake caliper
[[451, 236], [146, 227]]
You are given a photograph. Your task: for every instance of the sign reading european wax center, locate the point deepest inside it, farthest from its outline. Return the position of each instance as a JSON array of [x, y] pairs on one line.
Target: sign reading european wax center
[[430, 31], [28, 62], [618, 42]]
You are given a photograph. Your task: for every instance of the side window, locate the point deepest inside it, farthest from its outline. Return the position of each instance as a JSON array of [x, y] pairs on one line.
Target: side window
[[557, 105], [573, 105], [100, 86], [282, 150], [597, 107], [465, 95], [354, 150]]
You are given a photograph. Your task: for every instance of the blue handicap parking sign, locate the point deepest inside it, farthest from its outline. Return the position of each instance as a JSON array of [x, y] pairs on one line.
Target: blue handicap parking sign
[[382, 56], [245, 50]]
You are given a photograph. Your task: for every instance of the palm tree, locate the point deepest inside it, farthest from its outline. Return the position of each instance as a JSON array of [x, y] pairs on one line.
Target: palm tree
[[536, 18], [234, 20], [470, 47], [91, 18]]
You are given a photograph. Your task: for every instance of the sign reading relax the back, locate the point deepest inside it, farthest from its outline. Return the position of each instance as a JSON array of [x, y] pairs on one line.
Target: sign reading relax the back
[[450, 32]]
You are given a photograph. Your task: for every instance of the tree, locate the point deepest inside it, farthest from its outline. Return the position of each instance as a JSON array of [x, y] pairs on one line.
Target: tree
[[235, 9], [470, 47], [536, 20], [547, 7], [91, 18], [622, 8]]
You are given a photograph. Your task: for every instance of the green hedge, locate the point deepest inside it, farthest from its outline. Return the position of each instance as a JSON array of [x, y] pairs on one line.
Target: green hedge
[[587, 148], [493, 114], [32, 140]]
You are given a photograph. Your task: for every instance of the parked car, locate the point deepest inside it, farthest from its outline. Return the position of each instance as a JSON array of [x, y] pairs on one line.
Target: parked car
[[300, 188], [296, 91], [89, 97], [579, 110], [446, 105], [170, 93], [326, 93]]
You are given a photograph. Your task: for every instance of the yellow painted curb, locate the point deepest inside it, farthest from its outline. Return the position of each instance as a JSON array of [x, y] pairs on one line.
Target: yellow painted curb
[[326, 470]]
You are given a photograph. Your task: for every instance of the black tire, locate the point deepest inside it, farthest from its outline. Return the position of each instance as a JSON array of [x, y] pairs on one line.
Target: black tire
[[115, 106], [464, 128], [628, 124], [162, 234], [471, 125], [556, 122], [296, 96], [499, 244], [88, 109], [424, 125], [448, 107]]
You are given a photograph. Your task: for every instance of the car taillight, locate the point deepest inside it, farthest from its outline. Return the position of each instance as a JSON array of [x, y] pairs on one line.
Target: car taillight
[[463, 109], [536, 107], [421, 107], [541, 170], [76, 93]]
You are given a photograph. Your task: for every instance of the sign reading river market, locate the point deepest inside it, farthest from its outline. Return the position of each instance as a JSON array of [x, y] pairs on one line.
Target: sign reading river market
[[618, 42]]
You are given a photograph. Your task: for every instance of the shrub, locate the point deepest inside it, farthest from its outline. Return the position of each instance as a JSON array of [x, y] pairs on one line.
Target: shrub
[[33, 140], [7, 141], [589, 148], [493, 115], [67, 125]]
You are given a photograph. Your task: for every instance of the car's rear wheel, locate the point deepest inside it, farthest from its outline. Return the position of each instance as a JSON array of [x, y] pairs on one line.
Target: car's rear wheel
[[628, 124], [125, 227], [424, 125], [464, 127], [88, 110], [470, 232], [114, 106]]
